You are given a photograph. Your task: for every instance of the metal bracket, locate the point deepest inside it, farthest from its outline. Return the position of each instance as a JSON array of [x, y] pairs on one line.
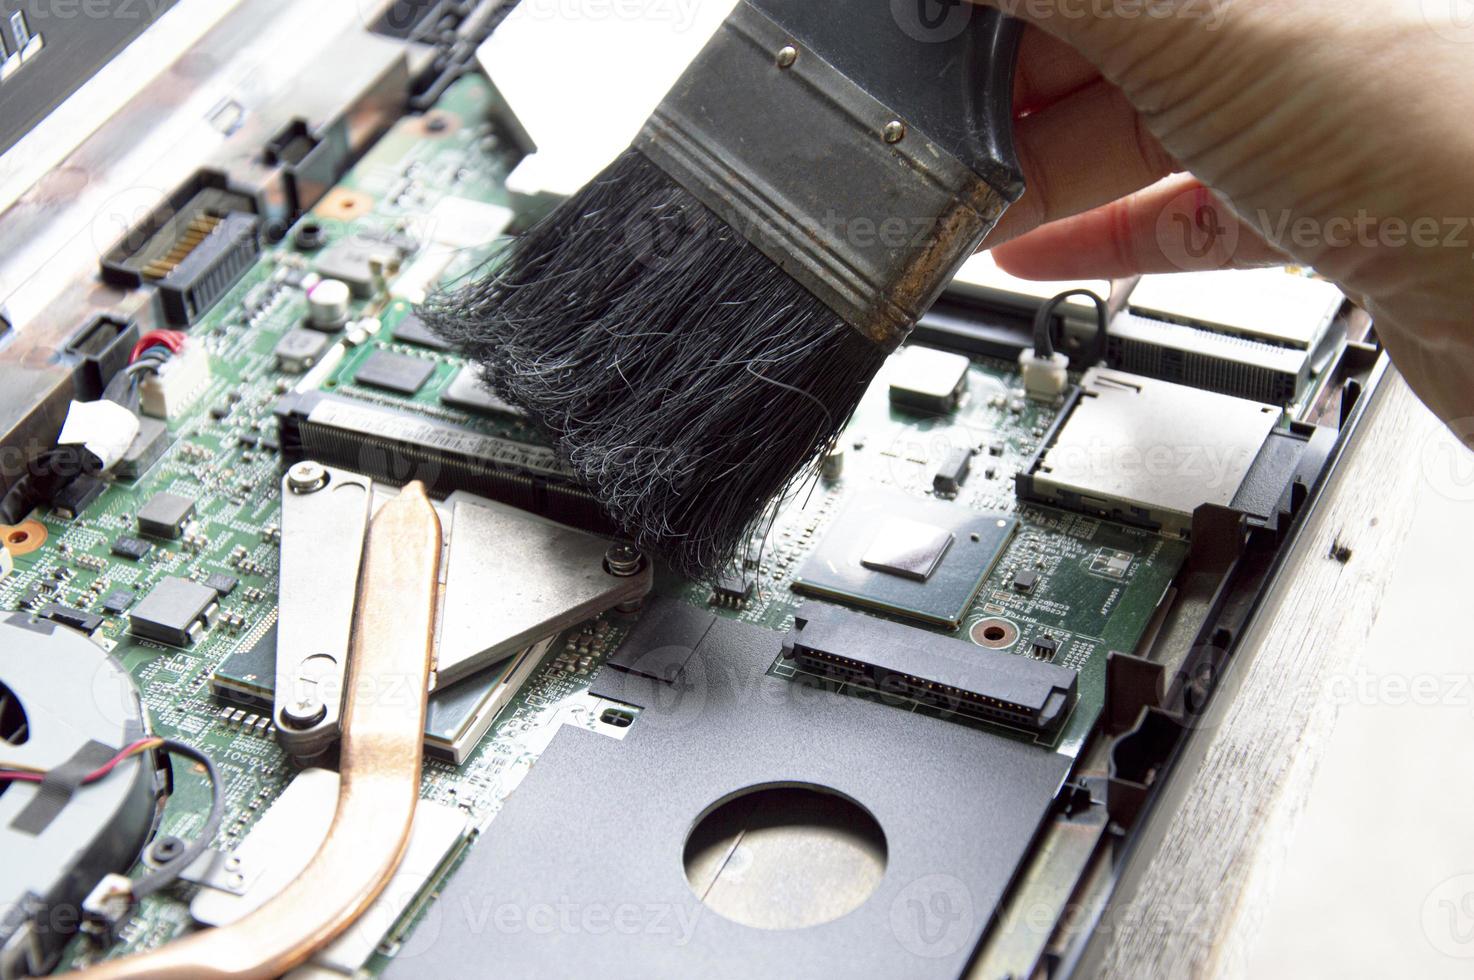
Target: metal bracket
[[513, 578], [325, 513], [510, 579]]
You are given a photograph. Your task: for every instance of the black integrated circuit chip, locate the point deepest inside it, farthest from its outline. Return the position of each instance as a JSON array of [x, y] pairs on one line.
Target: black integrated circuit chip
[[248, 676], [413, 330], [117, 601], [134, 549], [732, 588], [467, 393], [222, 583], [399, 373]]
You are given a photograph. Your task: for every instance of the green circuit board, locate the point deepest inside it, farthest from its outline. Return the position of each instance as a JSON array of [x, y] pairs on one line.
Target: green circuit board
[[1098, 584]]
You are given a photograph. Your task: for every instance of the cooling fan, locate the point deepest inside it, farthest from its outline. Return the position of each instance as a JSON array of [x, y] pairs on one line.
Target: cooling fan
[[63, 703]]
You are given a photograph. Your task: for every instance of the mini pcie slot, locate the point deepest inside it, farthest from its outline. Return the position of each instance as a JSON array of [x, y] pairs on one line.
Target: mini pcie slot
[[934, 669], [1217, 362], [395, 447]]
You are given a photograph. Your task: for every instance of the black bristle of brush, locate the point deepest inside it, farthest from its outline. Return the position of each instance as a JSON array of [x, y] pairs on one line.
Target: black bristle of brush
[[685, 377]]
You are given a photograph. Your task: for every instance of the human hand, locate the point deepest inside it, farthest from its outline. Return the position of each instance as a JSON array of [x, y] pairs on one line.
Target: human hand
[[1334, 134]]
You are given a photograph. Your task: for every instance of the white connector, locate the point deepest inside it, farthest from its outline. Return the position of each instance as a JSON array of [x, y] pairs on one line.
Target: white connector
[[1045, 378], [178, 382]]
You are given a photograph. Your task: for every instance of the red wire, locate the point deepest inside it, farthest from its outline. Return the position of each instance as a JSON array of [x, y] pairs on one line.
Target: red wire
[[11, 775], [171, 339]]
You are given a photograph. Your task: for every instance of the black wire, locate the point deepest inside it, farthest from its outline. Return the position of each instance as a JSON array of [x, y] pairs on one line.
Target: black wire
[[169, 872], [47, 474], [52, 470], [1044, 321], [123, 388]]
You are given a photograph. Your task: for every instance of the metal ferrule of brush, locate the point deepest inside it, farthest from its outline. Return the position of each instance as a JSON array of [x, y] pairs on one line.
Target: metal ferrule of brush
[[864, 147]]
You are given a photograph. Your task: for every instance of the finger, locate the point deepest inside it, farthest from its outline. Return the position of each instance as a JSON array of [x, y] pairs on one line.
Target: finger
[[1083, 151], [1048, 70], [1176, 225]]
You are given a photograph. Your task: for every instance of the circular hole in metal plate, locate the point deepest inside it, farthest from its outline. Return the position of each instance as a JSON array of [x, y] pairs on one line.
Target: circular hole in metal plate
[[995, 634], [785, 857]]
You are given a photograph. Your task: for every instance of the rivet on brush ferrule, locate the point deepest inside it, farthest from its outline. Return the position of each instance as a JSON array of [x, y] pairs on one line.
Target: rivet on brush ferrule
[[873, 227]]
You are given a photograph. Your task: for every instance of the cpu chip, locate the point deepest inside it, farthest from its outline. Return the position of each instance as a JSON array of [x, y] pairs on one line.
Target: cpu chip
[[907, 548], [909, 556]]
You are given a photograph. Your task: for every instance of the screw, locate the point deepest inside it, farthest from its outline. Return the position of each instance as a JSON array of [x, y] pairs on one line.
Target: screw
[[894, 131], [305, 712], [622, 560], [307, 477], [787, 55], [166, 849]]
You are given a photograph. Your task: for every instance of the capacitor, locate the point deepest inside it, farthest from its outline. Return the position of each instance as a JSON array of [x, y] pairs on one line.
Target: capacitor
[[832, 465], [327, 304]]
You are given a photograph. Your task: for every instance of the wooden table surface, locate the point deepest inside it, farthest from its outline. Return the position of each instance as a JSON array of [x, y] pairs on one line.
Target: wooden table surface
[[1196, 903]]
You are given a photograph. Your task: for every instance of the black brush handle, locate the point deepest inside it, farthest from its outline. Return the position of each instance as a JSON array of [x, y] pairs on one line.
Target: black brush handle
[[945, 66]]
